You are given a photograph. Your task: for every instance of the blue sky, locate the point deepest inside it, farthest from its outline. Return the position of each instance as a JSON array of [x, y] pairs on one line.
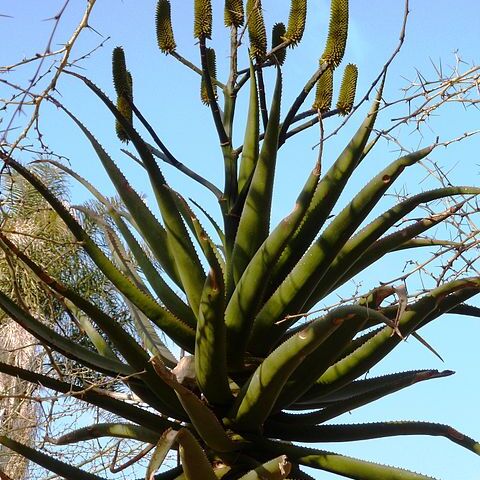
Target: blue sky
[[168, 95]]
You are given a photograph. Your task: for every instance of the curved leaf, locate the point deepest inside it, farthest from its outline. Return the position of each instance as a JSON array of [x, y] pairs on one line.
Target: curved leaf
[[257, 398], [248, 294], [255, 219], [62, 344], [180, 332], [46, 461], [358, 393], [376, 347], [356, 247], [203, 419], [210, 344], [340, 464], [275, 469], [324, 355], [326, 195], [99, 430], [365, 431], [294, 291], [180, 245], [94, 396]]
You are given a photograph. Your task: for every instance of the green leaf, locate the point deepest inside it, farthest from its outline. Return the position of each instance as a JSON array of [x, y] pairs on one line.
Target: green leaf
[[94, 396], [255, 219], [150, 228], [390, 243], [372, 351], [180, 245], [356, 247], [164, 445], [275, 469], [135, 355], [60, 343], [358, 393], [339, 464], [210, 344], [366, 431], [258, 396], [295, 290], [99, 430], [250, 143], [180, 332], [248, 294], [324, 355], [86, 325], [209, 249], [63, 469], [195, 463], [326, 195], [203, 419]]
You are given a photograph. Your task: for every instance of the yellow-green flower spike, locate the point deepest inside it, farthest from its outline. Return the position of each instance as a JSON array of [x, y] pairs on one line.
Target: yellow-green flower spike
[[256, 29], [125, 109], [234, 14], [296, 21], [130, 84], [347, 90], [337, 33], [278, 32], [202, 26], [212, 69], [324, 94], [163, 24], [119, 71]]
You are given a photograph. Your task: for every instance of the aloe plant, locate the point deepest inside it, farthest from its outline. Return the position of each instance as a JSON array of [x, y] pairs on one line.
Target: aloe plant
[[255, 377]]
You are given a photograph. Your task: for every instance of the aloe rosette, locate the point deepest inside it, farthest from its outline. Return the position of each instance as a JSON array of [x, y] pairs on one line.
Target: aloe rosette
[[255, 379]]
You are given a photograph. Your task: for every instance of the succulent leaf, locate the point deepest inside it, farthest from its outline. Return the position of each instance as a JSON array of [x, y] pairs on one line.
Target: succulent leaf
[[194, 460], [179, 242], [340, 464], [163, 26], [337, 33], [62, 469], [257, 398], [327, 193], [276, 469], [250, 143], [346, 96], [98, 398], [99, 430]]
